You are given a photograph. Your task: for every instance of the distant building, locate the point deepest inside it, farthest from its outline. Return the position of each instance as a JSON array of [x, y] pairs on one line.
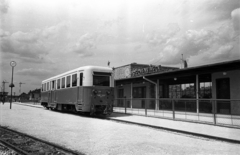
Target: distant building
[[35, 95], [23, 97], [3, 96]]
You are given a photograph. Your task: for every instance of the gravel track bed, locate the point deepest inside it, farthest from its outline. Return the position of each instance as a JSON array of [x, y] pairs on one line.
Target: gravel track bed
[[27, 145]]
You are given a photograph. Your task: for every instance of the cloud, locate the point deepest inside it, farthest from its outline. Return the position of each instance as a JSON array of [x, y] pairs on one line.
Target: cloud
[[157, 37], [33, 72], [219, 44], [3, 6], [33, 46], [26, 45], [222, 7], [236, 20], [85, 44]]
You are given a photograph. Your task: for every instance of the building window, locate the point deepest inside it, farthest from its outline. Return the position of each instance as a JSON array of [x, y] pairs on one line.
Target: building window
[[63, 82], [183, 91], [74, 80], [205, 92], [139, 92], [68, 81], [58, 84], [174, 91]]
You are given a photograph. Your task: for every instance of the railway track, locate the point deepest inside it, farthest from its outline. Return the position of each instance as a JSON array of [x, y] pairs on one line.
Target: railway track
[[16, 143]]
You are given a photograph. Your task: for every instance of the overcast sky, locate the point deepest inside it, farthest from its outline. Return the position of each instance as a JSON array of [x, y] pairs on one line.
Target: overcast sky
[[49, 37]]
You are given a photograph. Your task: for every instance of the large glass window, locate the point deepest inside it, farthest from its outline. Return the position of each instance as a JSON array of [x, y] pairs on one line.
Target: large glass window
[[74, 80], [174, 91], [101, 80], [205, 90], [63, 82], [58, 84], [182, 91], [68, 81]]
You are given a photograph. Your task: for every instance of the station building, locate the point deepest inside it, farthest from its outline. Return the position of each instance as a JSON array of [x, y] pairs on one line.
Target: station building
[[208, 93]]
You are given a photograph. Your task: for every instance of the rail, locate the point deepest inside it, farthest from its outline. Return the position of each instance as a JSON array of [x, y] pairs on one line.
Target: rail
[[224, 112]]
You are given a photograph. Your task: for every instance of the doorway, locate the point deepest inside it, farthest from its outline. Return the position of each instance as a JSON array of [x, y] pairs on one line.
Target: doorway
[[223, 92], [120, 96]]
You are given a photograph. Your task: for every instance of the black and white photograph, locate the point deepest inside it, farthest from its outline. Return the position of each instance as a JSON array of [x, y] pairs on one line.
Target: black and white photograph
[[119, 77]]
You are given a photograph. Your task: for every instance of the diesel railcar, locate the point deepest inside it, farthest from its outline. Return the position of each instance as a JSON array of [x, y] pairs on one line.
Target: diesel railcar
[[87, 89]]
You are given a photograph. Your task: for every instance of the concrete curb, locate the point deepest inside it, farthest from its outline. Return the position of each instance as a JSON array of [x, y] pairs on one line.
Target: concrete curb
[[29, 105], [179, 131]]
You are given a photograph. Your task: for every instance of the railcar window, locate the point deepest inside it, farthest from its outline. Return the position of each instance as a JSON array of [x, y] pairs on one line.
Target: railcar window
[[68, 81], [58, 84], [63, 82], [74, 80], [47, 86], [42, 87], [101, 80], [81, 79], [53, 85]]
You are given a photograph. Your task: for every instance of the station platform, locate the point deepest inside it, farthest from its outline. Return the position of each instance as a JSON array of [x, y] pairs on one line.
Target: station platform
[[223, 133]]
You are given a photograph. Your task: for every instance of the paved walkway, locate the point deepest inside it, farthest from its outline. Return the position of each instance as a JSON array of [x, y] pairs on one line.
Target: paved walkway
[[204, 130]]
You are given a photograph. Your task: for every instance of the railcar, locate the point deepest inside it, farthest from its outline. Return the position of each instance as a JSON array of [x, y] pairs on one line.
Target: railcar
[[87, 89]]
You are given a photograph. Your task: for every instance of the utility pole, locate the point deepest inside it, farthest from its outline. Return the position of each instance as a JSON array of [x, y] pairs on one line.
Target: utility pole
[[12, 64], [20, 83]]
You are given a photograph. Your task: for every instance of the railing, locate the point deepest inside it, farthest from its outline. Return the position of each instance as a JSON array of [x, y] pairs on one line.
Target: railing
[[212, 111]]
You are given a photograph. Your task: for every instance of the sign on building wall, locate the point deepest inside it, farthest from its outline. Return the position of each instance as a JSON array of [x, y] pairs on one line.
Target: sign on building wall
[[136, 70], [122, 72], [150, 70]]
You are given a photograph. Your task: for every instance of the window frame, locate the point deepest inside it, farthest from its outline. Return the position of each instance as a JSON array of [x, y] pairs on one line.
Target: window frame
[[68, 81], [58, 83], [63, 82], [75, 81]]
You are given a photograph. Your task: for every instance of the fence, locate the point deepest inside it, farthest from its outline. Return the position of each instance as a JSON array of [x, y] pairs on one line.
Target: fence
[[212, 111]]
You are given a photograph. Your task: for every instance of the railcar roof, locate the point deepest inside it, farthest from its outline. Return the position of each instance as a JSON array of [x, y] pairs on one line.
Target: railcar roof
[[97, 68]]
